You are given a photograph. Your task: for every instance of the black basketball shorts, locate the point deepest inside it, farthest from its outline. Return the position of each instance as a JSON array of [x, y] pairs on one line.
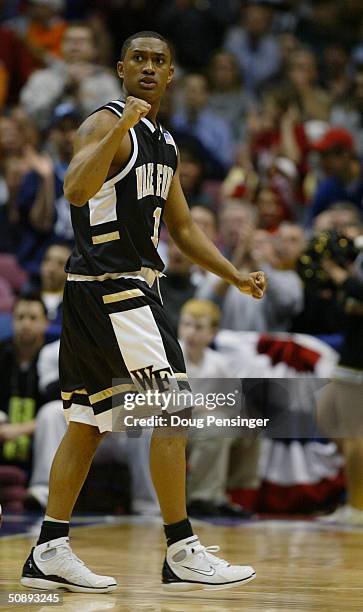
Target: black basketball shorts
[[116, 339]]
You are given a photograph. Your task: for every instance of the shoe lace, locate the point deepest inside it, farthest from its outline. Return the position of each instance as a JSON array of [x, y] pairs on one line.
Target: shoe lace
[[205, 551]]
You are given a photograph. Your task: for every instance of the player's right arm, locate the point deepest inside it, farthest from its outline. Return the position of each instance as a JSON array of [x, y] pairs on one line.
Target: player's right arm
[[102, 142]]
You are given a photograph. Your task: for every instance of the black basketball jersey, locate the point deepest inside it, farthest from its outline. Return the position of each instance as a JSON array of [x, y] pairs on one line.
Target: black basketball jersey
[[118, 229]]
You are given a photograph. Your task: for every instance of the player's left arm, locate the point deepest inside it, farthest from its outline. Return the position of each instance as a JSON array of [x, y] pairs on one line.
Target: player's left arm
[[198, 248]]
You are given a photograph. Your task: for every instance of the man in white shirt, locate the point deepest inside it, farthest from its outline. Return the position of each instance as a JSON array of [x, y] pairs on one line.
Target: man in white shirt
[[219, 459], [51, 427]]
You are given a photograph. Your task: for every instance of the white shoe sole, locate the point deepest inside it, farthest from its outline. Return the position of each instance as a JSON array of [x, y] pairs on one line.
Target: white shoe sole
[[49, 585], [182, 587]]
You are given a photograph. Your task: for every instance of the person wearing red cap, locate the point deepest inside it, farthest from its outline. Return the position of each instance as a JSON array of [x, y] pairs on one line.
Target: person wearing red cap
[[335, 138], [344, 173]]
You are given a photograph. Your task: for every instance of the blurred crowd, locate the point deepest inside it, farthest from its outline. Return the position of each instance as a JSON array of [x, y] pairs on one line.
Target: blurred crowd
[[267, 110]]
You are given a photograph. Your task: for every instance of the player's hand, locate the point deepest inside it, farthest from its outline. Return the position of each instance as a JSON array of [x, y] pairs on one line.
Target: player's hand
[[253, 284], [135, 109]]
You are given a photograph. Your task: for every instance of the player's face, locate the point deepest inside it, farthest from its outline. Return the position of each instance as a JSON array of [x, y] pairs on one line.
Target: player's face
[[146, 69]]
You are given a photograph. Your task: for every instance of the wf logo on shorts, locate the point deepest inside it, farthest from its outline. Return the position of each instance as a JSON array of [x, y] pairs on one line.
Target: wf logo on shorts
[[148, 378]]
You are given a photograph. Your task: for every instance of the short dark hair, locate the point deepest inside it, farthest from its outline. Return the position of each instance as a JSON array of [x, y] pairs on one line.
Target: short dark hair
[[31, 296], [145, 34]]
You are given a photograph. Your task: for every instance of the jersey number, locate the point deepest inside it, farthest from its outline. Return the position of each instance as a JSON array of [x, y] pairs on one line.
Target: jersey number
[[157, 217]]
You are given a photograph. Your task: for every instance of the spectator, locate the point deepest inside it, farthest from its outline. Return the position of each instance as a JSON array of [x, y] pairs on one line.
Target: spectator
[[290, 244], [41, 28], [288, 44], [284, 179], [344, 176], [270, 209], [283, 298], [52, 279], [210, 453], [275, 131], [236, 221], [348, 111], [177, 286], [20, 396], [195, 28], [116, 447], [228, 97], [336, 71], [340, 405], [12, 140], [192, 175], [45, 214], [254, 46], [207, 220], [76, 78], [50, 428], [120, 19], [13, 167], [343, 217], [314, 102], [15, 66], [323, 304], [195, 119], [319, 25]]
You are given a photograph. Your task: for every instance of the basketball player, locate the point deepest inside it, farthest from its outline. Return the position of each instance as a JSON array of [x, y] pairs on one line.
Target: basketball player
[[122, 180]]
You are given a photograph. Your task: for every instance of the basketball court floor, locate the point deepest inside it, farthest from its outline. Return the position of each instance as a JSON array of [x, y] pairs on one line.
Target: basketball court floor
[[301, 566]]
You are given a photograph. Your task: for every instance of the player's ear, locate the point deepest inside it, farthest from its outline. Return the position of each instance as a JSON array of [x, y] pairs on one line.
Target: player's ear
[[171, 74], [120, 69]]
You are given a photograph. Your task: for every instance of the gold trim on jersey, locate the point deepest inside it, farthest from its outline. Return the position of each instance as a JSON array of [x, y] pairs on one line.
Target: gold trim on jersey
[[122, 295], [105, 237], [101, 395], [181, 376], [65, 395]]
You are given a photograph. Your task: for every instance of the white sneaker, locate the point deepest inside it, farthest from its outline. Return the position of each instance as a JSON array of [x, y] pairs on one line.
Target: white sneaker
[[189, 566], [345, 515], [53, 565]]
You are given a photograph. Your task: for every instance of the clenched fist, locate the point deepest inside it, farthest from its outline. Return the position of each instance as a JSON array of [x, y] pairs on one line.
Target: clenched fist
[[253, 284], [135, 109]]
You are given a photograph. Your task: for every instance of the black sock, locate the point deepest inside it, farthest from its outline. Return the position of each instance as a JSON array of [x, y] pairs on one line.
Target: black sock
[[51, 531], [178, 531]]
